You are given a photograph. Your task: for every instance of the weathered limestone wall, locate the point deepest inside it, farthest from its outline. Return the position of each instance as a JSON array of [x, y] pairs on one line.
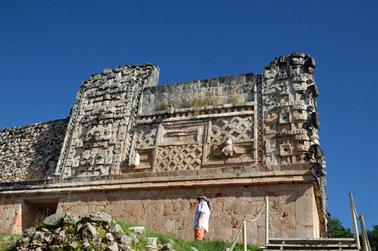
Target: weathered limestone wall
[[290, 118], [10, 214], [215, 91], [31, 152], [288, 101], [171, 210]]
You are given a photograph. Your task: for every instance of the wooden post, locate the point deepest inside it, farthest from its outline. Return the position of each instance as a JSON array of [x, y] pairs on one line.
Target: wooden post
[[245, 235], [266, 219], [354, 219]]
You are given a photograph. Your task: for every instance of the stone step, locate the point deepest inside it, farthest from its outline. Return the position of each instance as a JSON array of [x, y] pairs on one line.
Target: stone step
[[312, 241], [311, 244], [310, 249]]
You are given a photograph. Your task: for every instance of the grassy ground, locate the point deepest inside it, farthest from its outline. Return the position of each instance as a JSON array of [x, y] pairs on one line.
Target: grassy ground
[[181, 245], [8, 241]]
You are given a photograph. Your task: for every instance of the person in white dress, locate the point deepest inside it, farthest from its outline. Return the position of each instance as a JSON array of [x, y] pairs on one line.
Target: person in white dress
[[201, 218]]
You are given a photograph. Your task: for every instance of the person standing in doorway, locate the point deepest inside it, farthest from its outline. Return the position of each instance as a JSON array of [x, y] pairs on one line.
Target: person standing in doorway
[[201, 218]]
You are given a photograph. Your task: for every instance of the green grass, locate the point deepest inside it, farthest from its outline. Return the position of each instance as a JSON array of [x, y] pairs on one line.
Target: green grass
[[8, 241], [182, 245]]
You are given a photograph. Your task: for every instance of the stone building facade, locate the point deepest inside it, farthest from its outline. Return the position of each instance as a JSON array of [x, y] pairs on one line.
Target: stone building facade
[[144, 152]]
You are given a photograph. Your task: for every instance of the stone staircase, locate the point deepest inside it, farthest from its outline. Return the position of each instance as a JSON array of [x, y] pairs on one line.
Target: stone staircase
[[311, 244]]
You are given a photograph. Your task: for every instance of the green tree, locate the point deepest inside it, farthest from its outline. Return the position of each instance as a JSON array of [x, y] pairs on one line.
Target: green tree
[[336, 229], [373, 237]]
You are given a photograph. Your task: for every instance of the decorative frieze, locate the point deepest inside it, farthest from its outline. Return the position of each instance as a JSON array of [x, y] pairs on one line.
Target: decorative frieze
[[123, 122], [99, 138]]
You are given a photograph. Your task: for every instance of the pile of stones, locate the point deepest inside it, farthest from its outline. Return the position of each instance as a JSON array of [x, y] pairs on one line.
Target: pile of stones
[[95, 231]]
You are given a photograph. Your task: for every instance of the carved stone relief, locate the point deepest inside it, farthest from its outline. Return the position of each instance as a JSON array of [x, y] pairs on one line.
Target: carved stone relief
[[179, 157], [98, 137], [237, 128], [289, 92]]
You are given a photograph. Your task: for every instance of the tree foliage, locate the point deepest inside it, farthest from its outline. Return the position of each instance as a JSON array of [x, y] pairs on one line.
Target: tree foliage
[[373, 237], [336, 229]]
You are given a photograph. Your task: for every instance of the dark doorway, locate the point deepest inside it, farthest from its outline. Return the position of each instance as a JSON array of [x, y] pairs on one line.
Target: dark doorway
[[34, 211]]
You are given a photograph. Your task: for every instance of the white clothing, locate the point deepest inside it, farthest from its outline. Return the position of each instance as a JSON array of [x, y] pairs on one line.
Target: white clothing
[[205, 210]]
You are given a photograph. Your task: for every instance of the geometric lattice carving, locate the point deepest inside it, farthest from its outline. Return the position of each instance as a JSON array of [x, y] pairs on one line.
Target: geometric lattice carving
[[146, 136], [182, 157], [238, 128]]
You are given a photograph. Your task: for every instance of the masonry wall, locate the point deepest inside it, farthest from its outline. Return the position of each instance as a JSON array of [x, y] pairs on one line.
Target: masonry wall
[[31, 152], [10, 214], [171, 210], [292, 210], [215, 91]]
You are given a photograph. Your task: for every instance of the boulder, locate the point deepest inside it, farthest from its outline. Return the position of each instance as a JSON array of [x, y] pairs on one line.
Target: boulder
[[54, 220], [99, 217], [137, 229], [69, 219]]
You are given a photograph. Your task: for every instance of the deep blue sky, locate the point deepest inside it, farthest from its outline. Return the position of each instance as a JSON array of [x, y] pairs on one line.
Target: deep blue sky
[[47, 48]]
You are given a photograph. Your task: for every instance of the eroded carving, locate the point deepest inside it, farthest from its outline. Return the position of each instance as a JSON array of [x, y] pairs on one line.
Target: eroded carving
[[180, 157], [236, 128], [98, 137], [290, 120], [228, 149]]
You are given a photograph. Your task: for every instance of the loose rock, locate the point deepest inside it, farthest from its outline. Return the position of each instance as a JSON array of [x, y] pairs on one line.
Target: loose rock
[[53, 220], [137, 229], [113, 247], [152, 241], [69, 219], [96, 231], [99, 217]]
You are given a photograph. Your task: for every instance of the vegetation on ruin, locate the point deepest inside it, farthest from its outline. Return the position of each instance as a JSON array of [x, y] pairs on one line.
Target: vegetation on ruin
[[163, 105], [335, 230], [182, 245], [8, 241], [195, 103], [234, 99]]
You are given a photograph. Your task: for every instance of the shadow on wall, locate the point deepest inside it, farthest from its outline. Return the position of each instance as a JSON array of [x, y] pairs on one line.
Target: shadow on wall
[[46, 148]]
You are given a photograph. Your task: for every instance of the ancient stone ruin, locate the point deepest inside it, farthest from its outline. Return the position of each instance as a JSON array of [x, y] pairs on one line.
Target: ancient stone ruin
[[144, 152]]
